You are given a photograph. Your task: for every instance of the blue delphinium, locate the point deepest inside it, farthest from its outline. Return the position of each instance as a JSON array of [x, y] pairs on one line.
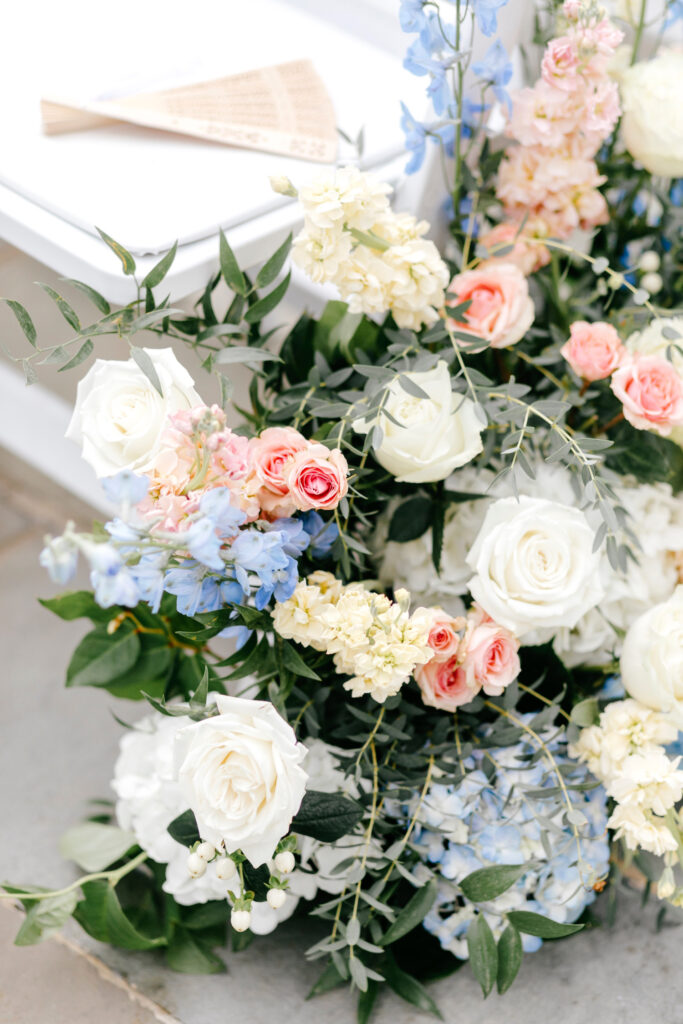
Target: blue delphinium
[[197, 589], [322, 535], [497, 817], [486, 13], [495, 68], [126, 488]]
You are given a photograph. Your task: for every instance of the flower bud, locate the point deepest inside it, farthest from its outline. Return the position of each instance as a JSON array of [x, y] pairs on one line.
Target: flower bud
[[225, 869], [652, 283], [285, 862], [281, 184], [240, 920], [649, 261], [666, 885], [276, 898], [196, 865], [206, 851]]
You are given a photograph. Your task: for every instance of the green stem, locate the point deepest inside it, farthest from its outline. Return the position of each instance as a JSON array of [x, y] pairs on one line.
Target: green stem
[[639, 32], [114, 878]]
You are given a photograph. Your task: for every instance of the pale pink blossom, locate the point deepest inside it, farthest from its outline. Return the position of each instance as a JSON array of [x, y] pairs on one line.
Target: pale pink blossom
[[445, 684], [594, 351], [491, 660], [525, 253], [560, 63], [317, 478], [500, 311], [544, 116], [651, 392]]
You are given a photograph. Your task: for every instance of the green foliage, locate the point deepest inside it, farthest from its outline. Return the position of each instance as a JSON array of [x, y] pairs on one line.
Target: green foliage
[[535, 924], [481, 946], [408, 987], [184, 829], [488, 883], [94, 846], [412, 915], [99, 913], [326, 816], [44, 917], [510, 956], [647, 456], [411, 519]]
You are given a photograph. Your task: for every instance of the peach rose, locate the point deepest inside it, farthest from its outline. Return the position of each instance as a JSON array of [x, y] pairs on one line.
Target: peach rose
[[500, 311], [270, 456], [445, 684], [652, 393], [491, 660], [316, 478], [594, 351], [525, 254], [444, 634]]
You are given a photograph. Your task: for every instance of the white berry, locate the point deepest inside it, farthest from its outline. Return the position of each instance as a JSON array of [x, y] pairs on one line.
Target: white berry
[[196, 865], [285, 862], [206, 851], [649, 261], [652, 283], [276, 898], [225, 869], [240, 920]]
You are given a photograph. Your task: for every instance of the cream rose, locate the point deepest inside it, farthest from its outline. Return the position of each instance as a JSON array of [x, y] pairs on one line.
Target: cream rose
[[652, 119], [652, 658], [426, 438], [240, 773], [120, 417], [534, 566]]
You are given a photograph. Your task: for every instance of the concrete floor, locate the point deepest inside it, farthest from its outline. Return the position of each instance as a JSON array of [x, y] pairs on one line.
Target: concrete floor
[[56, 751]]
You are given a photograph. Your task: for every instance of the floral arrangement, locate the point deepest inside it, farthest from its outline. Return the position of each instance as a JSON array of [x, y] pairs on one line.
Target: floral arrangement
[[410, 631]]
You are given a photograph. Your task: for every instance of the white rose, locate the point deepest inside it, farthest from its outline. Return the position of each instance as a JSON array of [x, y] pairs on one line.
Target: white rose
[[652, 119], [240, 773], [534, 566], [652, 658], [436, 434], [120, 417]]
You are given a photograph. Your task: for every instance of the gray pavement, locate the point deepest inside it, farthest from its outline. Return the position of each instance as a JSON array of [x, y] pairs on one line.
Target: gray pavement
[[56, 751]]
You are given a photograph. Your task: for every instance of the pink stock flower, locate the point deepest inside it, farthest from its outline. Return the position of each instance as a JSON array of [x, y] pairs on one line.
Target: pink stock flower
[[316, 478], [500, 311], [491, 660], [444, 635], [594, 351], [445, 684], [544, 116], [525, 254], [651, 392], [560, 64]]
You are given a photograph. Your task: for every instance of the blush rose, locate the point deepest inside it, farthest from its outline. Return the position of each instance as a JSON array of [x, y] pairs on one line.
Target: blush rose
[[594, 351], [500, 311]]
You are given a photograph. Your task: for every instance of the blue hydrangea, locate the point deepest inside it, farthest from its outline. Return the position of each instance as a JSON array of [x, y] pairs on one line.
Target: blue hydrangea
[[495, 816]]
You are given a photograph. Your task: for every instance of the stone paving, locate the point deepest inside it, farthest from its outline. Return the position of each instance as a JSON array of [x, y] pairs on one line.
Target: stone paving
[[56, 752]]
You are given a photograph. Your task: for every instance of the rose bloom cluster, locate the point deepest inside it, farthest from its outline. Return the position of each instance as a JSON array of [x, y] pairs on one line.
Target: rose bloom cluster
[[378, 259], [372, 639], [626, 752], [551, 177], [470, 654]]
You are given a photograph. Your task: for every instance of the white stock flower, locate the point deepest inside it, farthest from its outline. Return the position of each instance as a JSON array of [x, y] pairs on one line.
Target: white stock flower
[[650, 780], [639, 829], [437, 433], [652, 658], [240, 773], [416, 288], [120, 417], [534, 566], [345, 197], [321, 253], [300, 618], [652, 116]]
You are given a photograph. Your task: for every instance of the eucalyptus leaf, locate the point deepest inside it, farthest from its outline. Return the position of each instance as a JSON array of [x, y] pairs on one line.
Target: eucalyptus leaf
[[94, 846], [144, 361], [127, 261], [23, 318], [245, 354]]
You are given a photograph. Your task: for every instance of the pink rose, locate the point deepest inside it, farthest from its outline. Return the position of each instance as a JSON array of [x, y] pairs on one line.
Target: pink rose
[[445, 684], [270, 456], [491, 660], [560, 63], [316, 478], [652, 393], [444, 635], [594, 351], [500, 311], [526, 254]]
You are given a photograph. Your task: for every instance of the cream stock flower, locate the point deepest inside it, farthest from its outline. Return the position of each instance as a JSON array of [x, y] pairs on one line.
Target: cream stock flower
[[639, 829], [650, 780]]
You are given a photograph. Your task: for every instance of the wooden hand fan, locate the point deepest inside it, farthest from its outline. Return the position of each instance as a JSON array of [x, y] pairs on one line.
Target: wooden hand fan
[[280, 109]]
